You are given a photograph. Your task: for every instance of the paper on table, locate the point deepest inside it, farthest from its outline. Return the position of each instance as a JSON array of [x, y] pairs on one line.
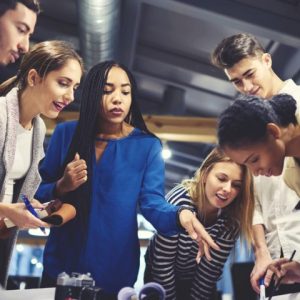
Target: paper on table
[[295, 296]]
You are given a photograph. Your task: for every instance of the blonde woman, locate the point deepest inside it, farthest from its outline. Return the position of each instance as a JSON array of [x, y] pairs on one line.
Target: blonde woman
[[221, 195]]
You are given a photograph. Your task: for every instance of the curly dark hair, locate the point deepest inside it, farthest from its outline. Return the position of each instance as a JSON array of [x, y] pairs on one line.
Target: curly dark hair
[[245, 121]]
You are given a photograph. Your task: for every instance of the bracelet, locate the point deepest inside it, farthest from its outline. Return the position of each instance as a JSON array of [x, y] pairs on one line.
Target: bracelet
[[181, 208]]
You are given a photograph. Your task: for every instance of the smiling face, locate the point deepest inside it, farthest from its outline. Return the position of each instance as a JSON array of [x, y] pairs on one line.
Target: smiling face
[[253, 76], [222, 184], [16, 26], [117, 99], [56, 90], [262, 158]]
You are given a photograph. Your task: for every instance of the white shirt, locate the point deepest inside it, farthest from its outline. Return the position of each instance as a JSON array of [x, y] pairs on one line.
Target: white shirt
[[275, 199]]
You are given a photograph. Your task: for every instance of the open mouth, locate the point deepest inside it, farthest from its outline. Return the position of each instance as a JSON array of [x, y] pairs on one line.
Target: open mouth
[[59, 105], [222, 197]]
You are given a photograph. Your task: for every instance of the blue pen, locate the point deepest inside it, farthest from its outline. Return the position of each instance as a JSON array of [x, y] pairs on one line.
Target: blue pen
[[262, 289], [31, 209]]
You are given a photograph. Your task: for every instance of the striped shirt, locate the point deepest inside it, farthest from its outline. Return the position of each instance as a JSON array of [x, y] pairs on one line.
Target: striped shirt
[[171, 262]]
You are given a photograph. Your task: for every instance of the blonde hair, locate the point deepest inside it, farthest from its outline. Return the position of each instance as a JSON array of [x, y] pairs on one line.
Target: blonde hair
[[241, 209], [44, 57]]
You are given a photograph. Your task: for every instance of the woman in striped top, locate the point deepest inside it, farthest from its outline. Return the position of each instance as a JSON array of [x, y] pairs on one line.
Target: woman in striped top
[[221, 194]]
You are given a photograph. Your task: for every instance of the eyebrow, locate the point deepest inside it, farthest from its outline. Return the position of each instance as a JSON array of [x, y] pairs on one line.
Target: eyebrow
[[122, 85], [69, 79], [26, 25], [243, 75], [245, 161]]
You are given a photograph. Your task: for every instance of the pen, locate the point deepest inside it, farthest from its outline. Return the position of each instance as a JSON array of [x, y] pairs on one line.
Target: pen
[[31, 209], [262, 289], [279, 280]]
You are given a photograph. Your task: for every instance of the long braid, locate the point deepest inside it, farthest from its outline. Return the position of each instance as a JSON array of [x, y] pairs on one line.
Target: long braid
[[86, 130]]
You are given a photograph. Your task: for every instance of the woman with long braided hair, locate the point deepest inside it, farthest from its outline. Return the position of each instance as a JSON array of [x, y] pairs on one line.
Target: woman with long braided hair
[[107, 164]]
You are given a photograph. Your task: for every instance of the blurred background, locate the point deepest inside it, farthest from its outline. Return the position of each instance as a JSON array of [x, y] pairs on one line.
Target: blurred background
[[167, 45]]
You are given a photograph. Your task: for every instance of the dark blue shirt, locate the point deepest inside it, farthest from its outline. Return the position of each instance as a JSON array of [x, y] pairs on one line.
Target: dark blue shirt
[[129, 173]]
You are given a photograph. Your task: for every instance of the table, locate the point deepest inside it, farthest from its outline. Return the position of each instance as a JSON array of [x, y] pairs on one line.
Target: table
[[295, 296], [30, 294]]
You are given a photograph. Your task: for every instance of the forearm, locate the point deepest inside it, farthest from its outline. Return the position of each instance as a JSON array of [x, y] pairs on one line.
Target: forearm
[[59, 190], [259, 242], [3, 210]]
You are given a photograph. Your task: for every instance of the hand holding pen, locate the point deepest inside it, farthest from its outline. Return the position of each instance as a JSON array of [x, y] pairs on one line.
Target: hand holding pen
[[30, 208], [286, 271]]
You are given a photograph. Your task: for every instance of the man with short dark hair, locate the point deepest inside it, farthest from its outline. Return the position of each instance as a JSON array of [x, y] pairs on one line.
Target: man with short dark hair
[[249, 68], [17, 23]]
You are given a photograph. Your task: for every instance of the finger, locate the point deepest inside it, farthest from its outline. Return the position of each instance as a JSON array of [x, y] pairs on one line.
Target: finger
[[198, 257], [34, 222], [201, 233], [76, 157], [275, 270], [268, 277], [200, 251], [80, 167], [36, 204], [81, 181], [206, 251], [190, 230], [79, 175], [254, 284], [288, 265], [77, 163]]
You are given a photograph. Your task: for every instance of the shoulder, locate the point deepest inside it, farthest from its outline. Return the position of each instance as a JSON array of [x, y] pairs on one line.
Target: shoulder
[[291, 88], [67, 127], [179, 196], [41, 125], [3, 107], [139, 134], [144, 140]]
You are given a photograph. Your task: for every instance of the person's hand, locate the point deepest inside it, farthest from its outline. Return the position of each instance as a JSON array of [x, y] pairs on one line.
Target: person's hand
[[260, 269], [197, 232], [37, 204], [289, 271], [75, 175], [21, 217]]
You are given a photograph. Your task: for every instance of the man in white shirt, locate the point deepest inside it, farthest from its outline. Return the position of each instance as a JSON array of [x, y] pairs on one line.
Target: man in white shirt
[[249, 68]]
